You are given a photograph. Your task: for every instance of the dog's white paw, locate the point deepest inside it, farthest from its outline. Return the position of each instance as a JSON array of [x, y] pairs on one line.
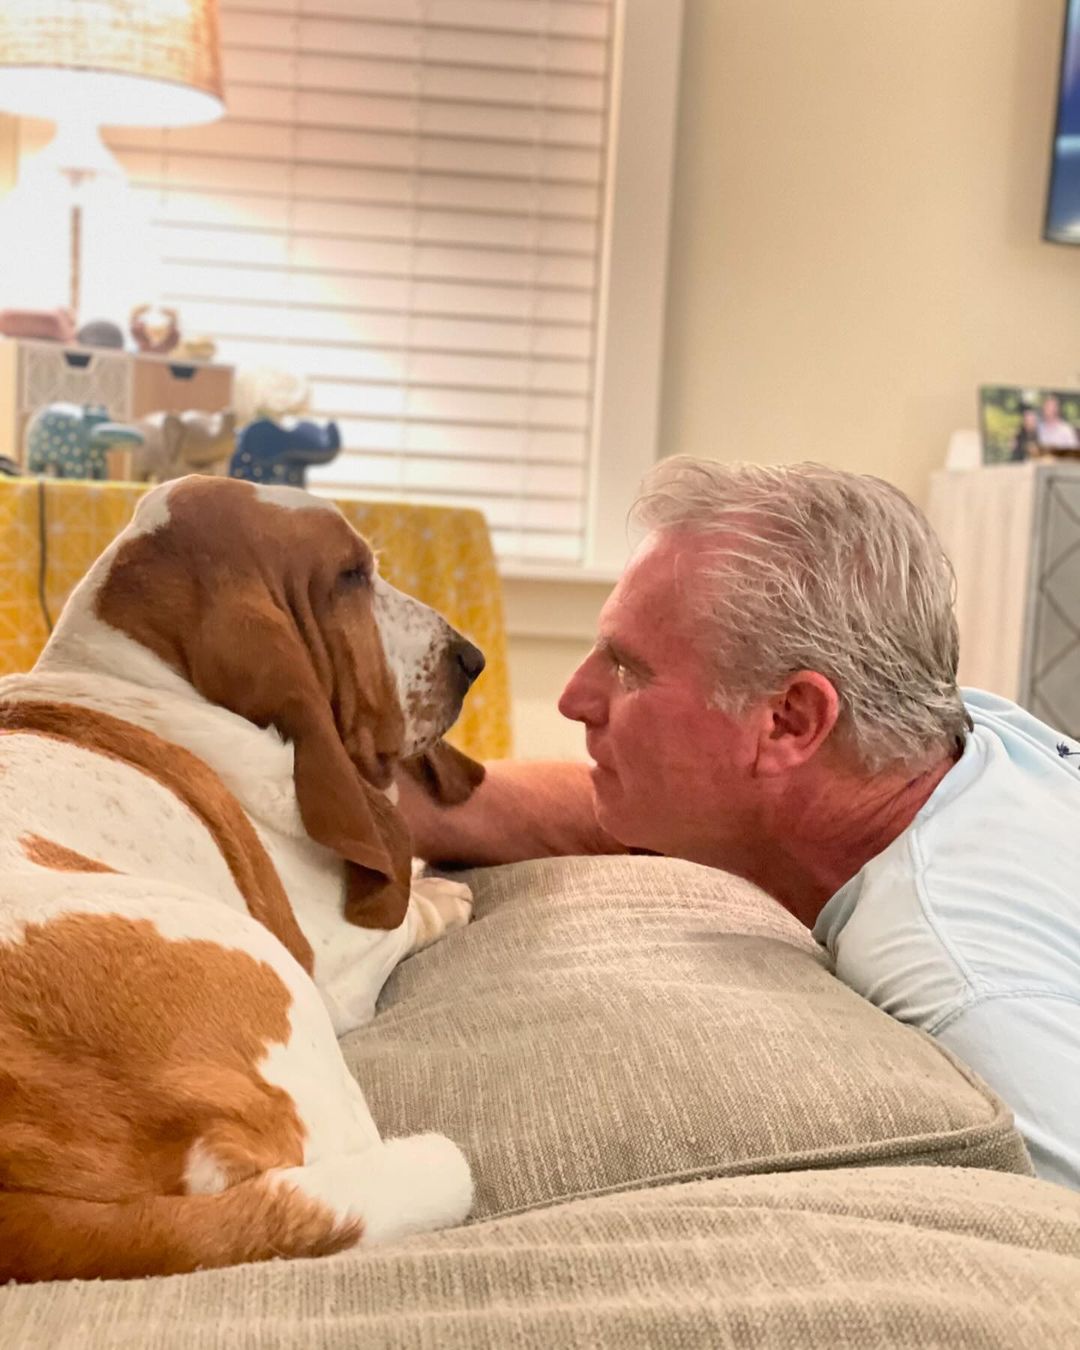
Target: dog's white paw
[[440, 905], [452, 899]]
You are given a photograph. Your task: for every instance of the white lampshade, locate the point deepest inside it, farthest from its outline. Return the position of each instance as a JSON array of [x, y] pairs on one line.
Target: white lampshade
[[111, 62]]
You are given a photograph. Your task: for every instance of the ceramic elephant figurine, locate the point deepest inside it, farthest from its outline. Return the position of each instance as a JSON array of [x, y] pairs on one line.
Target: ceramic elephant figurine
[[162, 433], [69, 440], [279, 452], [175, 444]]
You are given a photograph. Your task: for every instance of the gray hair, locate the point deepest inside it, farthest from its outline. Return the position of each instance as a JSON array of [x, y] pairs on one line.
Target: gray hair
[[818, 569]]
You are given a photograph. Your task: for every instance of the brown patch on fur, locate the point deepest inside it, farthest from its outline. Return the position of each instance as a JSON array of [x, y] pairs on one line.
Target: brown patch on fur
[[447, 775], [249, 602], [197, 786], [48, 853], [45, 1237], [119, 1050]]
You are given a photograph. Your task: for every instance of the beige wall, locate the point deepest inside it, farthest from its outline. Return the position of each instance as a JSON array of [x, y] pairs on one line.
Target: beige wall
[[538, 673], [551, 627], [858, 203]]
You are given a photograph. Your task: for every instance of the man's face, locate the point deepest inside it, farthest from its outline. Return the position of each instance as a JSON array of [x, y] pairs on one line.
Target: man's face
[[672, 773]]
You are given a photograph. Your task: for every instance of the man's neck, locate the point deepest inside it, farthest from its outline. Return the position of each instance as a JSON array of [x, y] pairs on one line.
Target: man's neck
[[829, 828]]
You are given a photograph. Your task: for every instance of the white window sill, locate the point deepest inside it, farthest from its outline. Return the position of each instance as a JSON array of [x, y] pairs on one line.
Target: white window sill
[[568, 576]]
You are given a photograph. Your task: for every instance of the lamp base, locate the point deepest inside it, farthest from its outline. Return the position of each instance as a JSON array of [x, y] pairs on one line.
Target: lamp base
[[84, 236], [76, 260], [78, 154]]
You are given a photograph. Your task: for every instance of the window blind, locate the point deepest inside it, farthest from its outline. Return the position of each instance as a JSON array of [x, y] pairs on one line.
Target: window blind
[[404, 204]]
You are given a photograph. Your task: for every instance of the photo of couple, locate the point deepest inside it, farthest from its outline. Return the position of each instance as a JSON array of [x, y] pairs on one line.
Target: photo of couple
[[1021, 424]]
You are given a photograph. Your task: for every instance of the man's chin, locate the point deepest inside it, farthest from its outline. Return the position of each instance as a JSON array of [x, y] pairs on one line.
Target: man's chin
[[605, 787], [603, 783], [610, 807]]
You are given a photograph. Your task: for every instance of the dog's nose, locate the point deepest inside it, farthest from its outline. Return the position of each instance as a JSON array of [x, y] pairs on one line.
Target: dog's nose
[[469, 658]]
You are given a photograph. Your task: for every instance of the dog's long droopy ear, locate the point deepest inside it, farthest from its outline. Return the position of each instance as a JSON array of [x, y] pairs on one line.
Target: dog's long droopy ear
[[345, 814], [253, 660], [445, 774]]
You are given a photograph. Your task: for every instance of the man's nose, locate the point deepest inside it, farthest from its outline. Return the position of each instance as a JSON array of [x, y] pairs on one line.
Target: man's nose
[[582, 700]]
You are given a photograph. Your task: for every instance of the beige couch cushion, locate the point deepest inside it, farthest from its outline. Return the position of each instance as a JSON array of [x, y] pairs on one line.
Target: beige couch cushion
[[883, 1257], [616, 1022]]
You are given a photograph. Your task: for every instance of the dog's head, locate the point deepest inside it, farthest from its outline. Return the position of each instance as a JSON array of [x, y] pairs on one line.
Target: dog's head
[[270, 605]]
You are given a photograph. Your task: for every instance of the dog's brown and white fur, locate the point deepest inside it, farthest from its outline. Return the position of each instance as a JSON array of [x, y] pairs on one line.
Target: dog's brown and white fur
[[203, 881]]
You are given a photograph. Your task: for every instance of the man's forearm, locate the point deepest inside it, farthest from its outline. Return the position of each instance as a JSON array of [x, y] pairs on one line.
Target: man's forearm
[[520, 810]]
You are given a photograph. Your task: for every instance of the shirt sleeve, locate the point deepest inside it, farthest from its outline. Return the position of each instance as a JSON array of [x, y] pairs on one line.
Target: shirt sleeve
[[1027, 1048]]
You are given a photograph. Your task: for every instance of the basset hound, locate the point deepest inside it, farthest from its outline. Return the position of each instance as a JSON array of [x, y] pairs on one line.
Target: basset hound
[[203, 882]]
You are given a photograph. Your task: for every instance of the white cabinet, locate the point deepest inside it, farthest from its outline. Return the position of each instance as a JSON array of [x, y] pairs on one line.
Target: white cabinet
[[1013, 534]]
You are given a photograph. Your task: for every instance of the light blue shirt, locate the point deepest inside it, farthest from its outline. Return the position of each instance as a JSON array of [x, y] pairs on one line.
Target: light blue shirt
[[968, 924]]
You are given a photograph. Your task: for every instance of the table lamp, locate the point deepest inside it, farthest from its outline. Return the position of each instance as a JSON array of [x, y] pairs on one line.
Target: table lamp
[[84, 64]]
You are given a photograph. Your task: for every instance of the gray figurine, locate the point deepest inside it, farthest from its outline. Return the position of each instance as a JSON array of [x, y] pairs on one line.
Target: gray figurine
[[100, 333], [175, 444]]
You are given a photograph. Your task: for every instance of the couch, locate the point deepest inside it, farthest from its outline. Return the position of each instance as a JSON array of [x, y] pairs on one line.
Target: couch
[[684, 1132]]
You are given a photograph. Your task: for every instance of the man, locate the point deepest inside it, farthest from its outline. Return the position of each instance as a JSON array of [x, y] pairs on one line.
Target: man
[[1054, 432], [773, 692]]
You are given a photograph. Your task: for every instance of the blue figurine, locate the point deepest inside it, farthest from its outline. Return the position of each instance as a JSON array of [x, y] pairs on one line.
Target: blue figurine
[[269, 452], [69, 440]]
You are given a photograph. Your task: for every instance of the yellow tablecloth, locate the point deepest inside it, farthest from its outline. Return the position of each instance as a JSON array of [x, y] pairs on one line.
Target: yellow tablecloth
[[443, 556]]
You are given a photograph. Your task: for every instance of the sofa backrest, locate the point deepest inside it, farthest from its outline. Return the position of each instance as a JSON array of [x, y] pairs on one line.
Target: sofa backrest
[[610, 1023]]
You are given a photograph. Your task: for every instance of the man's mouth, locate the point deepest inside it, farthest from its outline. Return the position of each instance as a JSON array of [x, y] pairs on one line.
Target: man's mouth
[[597, 763]]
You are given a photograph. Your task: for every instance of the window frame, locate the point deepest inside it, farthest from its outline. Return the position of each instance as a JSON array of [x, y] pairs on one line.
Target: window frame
[[640, 175], [630, 329]]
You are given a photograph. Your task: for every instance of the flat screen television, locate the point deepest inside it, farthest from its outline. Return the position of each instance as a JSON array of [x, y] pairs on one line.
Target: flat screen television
[[1063, 202]]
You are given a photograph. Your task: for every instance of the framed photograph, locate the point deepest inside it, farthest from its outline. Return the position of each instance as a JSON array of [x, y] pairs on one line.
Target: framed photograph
[[1019, 424]]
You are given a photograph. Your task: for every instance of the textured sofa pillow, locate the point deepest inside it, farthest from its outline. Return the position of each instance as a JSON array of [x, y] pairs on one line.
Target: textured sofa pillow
[[922, 1258], [607, 1023]]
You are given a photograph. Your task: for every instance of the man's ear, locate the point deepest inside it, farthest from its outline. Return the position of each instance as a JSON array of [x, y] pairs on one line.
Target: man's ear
[[795, 723]]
